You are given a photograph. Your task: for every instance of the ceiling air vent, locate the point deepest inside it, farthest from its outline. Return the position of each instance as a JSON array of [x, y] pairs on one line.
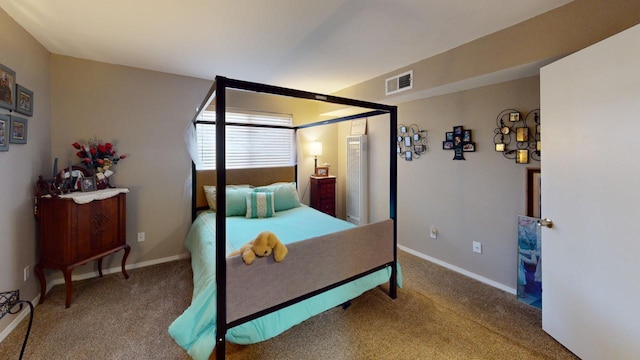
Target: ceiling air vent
[[398, 83]]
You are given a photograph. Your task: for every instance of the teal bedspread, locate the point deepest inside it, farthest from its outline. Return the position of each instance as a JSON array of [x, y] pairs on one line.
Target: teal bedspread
[[195, 329]]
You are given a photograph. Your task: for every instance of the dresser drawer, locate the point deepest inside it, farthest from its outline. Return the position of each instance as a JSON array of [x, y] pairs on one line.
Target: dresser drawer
[[323, 194]]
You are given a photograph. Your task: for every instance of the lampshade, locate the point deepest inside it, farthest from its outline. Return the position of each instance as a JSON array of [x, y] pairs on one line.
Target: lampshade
[[315, 148]]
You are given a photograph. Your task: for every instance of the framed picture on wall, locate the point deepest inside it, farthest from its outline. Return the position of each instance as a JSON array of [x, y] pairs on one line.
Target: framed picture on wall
[[24, 100], [7, 88], [466, 136], [4, 132], [469, 147], [522, 134], [359, 127], [18, 132], [457, 141], [408, 156]]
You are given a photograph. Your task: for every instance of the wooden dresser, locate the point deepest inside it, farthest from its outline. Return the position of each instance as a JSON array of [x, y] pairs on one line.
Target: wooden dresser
[[77, 228], [323, 194]]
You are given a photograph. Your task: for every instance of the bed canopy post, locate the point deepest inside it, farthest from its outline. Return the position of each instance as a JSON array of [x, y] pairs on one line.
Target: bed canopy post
[[393, 198], [194, 185], [221, 201]]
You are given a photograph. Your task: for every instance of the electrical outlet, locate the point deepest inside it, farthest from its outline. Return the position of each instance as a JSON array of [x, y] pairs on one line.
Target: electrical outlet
[[434, 232], [477, 247], [140, 236], [27, 272]]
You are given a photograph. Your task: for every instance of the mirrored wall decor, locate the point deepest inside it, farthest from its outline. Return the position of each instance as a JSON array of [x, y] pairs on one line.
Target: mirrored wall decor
[[411, 141], [518, 137]]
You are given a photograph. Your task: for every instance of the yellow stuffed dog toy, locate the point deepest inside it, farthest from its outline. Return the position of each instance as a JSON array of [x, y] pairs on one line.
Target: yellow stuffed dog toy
[[265, 243]]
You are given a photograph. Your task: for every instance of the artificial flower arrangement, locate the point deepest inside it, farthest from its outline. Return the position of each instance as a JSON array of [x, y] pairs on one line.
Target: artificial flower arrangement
[[98, 158]]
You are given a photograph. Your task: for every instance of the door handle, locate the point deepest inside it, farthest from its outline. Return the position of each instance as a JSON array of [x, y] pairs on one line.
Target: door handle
[[546, 222]]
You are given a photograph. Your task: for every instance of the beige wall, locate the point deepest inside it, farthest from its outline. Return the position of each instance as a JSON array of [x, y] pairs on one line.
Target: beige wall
[[479, 199], [473, 200], [144, 114], [22, 164], [541, 39]]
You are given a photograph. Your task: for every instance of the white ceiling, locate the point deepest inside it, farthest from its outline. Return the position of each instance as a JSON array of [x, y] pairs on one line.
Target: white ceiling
[[320, 46]]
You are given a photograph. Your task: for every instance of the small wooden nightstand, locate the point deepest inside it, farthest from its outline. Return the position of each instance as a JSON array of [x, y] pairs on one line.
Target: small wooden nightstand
[[323, 194]]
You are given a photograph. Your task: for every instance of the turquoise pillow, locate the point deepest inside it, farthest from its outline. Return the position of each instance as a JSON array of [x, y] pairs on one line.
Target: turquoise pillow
[[260, 205], [236, 201], [285, 195]]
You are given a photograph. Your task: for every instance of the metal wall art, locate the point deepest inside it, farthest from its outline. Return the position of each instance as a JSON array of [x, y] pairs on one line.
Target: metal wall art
[[459, 140], [518, 137], [412, 142]]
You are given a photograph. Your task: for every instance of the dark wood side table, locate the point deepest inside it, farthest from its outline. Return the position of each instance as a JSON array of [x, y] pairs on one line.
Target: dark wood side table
[[323, 194], [77, 228]]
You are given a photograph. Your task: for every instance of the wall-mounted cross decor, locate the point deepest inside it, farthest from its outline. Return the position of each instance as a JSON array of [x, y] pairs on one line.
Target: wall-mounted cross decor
[[459, 140]]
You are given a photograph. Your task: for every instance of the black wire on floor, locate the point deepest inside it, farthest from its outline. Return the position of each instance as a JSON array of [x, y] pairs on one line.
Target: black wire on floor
[[11, 300]]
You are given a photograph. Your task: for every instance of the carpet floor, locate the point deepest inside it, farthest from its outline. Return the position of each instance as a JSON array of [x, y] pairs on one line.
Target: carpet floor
[[439, 314]]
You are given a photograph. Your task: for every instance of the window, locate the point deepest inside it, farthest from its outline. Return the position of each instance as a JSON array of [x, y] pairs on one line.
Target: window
[[248, 146]]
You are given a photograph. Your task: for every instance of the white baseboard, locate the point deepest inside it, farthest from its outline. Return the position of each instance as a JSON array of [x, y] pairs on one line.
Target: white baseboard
[[117, 269], [25, 312], [460, 270]]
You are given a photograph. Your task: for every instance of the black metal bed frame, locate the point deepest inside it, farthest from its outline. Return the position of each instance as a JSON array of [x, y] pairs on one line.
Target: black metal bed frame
[[218, 91]]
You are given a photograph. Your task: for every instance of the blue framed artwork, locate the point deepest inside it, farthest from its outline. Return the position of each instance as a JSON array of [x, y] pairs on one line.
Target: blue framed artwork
[[4, 132], [7, 88], [24, 100], [529, 261], [18, 132]]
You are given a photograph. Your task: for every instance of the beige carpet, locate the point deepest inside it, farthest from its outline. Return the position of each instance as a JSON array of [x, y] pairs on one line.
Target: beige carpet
[[438, 314]]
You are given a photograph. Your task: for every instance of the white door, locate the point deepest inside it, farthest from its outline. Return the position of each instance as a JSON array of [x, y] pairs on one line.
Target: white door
[[590, 112]]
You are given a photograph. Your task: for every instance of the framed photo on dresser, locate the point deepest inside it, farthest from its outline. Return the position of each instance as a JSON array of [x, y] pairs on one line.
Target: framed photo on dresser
[[322, 171], [88, 184]]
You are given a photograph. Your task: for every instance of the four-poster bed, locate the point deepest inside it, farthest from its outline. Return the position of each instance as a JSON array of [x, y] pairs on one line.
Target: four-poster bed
[[330, 261]]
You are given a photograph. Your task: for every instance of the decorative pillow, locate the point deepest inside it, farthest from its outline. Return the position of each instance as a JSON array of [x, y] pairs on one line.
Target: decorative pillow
[[285, 194], [236, 201], [260, 205], [210, 194], [236, 198]]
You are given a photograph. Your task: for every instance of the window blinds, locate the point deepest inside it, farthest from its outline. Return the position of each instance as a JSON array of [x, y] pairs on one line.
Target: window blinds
[[253, 140]]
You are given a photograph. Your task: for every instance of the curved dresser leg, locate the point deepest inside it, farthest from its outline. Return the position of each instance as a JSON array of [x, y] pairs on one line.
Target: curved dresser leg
[[43, 283], [100, 267], [69, 286], [127, 249]]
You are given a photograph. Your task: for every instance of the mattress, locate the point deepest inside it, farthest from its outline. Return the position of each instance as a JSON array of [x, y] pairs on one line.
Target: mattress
[[195, 329]]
